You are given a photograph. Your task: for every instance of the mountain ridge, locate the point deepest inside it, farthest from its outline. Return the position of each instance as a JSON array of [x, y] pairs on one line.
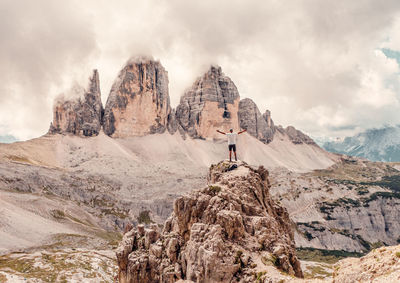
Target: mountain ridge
[[378, 144], [139, 104]]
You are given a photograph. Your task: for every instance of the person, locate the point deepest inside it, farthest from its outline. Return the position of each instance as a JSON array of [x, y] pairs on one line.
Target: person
[[232, 137]]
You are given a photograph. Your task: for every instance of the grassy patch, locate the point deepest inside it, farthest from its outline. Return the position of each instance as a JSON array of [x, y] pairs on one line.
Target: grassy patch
[[317, 272], [271, 259], [25, 267], [144, 217], [63, 240], [112, 238], [347, 203], [259, 275], [19, 159], [327, 256], [112, 211], [58, 214], [362, 191], [390, 182], [214, 189], [314, 225], [375, 196], [237, 257]]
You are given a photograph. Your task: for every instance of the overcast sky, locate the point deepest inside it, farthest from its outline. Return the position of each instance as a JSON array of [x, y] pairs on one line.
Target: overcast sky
[[327, 67]]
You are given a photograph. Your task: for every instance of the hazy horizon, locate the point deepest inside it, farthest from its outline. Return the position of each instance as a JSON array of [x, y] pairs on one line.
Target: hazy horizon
[[331, 69]]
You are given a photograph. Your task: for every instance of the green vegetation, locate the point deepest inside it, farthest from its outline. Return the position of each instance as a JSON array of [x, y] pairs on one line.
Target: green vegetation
[[312, 225], [362, 191], [375, 196], [57, 214], [270, 260], [317, 272], [308, 235], [356, 172], [390, 182], [327, 256], [60, 215], [112, 238], [25, 267], [237, 257], [328, 207], [376, 245], [259, 275], [113, 211], [398, 254], [52, 267], [214, 189], [19, 159], [144, 217]]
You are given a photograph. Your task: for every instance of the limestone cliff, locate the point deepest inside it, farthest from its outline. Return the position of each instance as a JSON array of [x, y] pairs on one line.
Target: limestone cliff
[[211, 103], [225, 232], [80, 111], [138, 103], [354, 205], [296, 136], [257, 125]]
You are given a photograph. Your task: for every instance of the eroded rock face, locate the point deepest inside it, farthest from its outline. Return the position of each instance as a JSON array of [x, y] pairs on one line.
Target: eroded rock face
[[81, 114], [211, 103], [380, 265], [296, 136], [138, 103], [257, 125], [222, 233]]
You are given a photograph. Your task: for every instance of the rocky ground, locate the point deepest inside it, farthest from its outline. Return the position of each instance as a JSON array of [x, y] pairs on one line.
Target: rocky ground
[[226, 232], [88, 189], [353, 205], [70, 208], [61, 265]]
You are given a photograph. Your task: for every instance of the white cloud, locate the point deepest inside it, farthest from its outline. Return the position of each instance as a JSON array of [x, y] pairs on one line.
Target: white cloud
[[315, 64]]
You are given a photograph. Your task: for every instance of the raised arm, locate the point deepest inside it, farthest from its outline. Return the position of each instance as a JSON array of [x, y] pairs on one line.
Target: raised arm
[[241, 132], [221, 132]]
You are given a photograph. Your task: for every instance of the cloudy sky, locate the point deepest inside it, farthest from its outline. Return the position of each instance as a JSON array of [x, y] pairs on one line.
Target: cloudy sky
[[327, 67]]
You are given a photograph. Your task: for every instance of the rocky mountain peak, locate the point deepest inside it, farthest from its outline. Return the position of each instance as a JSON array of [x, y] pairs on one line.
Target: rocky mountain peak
[[138, 103], [80, 111], [211, 103], [257, 125], [296, 136], [229, 230]]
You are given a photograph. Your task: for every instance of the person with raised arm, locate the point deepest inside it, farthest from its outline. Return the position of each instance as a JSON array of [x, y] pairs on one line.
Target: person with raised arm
[[232, 139]]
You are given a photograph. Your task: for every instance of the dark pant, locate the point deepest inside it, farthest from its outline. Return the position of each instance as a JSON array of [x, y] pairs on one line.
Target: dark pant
[[232, 147]]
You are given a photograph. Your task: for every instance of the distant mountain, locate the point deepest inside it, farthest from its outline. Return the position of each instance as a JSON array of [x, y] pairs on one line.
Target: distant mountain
[[7, 139], [381, 144]]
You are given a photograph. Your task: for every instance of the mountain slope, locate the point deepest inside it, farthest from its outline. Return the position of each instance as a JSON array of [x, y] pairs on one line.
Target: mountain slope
[[118, 179], [375, 144], [226, 232]]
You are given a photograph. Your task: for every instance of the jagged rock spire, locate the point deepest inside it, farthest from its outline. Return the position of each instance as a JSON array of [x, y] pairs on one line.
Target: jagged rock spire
[[216, 234], [138, 103], [79, 112], [257, 125], [211, 103]]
